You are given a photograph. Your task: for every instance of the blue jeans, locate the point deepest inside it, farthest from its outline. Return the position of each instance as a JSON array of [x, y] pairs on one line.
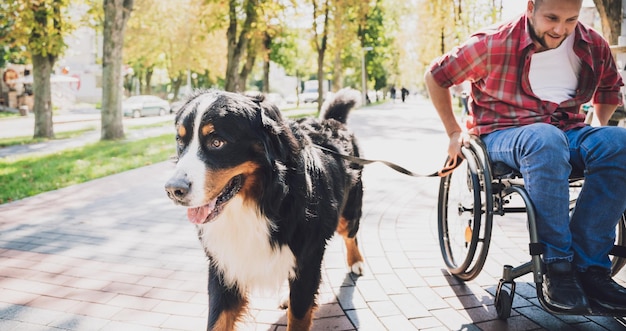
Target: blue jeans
[[545, 156]]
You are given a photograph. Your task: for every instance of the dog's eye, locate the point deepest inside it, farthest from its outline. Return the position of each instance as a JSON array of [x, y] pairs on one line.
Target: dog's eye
[[216, 143]]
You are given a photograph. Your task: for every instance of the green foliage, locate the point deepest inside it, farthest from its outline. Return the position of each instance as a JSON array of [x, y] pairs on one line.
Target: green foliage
[[40, 26], [9, 51], [177, 36], [289, 49], [444, 24], [375, 34], [13, 55]]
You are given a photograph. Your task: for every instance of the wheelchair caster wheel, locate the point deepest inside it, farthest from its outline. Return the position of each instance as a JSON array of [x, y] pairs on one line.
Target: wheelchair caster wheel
[[503, 303]]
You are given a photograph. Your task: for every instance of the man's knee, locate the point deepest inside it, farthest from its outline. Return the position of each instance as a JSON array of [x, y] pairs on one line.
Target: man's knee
[[613, 144], [544, 138]]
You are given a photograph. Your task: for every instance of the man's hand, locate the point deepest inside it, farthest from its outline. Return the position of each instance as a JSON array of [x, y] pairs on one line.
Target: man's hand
[[457, 140]]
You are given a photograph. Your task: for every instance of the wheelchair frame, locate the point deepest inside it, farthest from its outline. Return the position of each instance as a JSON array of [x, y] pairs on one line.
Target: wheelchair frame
[[490, 187]]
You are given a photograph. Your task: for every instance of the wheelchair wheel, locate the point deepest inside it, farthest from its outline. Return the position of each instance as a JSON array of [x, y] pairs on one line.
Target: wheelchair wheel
[[465, 215], [504, 301], [618, 262]]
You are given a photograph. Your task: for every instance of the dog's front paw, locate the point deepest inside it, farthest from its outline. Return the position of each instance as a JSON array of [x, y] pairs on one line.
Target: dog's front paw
[[357, 268]]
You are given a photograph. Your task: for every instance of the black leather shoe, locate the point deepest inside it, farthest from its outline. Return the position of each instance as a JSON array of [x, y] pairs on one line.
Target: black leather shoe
[[602, 289], [562, 291]]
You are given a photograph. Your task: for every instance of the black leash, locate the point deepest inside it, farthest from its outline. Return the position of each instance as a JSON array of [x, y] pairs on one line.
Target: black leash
[[440, 173]]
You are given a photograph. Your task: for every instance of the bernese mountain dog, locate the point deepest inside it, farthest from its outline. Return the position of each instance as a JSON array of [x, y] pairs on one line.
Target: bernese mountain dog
[[265, 198]]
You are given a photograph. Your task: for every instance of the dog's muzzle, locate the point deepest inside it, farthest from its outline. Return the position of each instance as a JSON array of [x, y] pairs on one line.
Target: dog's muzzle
[[178, 188]]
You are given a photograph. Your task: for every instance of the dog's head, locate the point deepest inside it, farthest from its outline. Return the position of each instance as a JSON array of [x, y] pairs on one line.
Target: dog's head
[[228, 145]]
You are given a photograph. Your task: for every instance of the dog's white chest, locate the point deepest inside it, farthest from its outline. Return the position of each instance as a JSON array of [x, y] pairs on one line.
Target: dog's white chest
[[239, 242]]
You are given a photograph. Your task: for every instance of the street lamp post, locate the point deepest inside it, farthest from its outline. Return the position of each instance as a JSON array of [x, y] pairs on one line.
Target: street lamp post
[[363, 79]]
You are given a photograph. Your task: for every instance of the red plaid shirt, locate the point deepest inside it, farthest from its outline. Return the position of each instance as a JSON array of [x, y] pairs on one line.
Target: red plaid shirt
[[497, 62]]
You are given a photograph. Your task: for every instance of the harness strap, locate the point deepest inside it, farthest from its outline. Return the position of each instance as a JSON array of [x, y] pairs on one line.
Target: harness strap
[[450, 165]]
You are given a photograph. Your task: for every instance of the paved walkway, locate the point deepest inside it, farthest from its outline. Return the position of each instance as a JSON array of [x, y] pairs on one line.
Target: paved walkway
[[116, 254], [74, 121]]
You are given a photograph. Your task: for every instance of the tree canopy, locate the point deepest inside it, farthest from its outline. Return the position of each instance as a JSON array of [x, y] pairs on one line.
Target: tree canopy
[[39, 29], [229, 43]]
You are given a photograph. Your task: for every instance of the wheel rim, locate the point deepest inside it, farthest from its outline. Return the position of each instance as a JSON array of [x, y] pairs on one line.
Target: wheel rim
[[464, 231]]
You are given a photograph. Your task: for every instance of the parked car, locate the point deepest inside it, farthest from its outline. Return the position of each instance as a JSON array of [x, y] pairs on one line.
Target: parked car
[[145, 105], [309, 95]]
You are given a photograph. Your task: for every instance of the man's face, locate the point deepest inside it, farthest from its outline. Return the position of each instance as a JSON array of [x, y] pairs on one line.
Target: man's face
[[552, 21]]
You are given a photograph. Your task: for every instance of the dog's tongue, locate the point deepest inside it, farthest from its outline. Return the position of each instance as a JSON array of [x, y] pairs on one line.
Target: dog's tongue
[[199, 214]]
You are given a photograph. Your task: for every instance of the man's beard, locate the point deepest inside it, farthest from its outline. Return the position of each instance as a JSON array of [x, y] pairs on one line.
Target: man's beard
[[535, 37]]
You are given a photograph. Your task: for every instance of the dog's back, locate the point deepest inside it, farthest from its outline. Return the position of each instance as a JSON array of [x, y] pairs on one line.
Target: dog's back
[[330, 130], [332, 133]]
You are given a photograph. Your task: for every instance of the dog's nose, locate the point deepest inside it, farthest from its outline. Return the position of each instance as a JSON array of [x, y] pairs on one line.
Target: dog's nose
[[177, 188]]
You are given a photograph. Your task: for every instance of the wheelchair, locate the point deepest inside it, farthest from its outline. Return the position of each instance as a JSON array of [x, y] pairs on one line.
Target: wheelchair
[[469, 197]]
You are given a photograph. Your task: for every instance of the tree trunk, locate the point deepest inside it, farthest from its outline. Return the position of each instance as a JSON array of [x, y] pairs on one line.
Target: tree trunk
[[116, 13], [321, 51], [237, 44], [267, 49], [176, 83], [149, 73], [320, 79], [234, 51], [42, 107], [266, 76], [247, 67], [611, 18]]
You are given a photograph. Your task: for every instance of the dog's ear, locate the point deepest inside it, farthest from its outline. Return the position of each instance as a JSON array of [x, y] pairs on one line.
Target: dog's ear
[[279, 148], [278, 140]]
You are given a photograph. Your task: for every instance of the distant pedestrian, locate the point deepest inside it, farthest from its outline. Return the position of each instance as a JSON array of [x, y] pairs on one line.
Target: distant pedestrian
[[404, 93], [392, 91]]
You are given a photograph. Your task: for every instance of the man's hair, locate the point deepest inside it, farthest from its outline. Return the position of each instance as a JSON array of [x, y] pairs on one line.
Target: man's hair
[[537, 3]]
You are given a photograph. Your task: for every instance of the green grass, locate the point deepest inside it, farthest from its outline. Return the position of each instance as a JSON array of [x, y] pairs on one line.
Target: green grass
[[26, 176], [8, 114], [24, 140]]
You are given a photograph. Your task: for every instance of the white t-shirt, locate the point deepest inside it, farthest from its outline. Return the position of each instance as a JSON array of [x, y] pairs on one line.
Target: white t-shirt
[[554, 73]]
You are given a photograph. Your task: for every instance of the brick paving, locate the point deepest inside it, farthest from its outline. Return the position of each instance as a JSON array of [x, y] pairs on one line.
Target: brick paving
[[115, 254]]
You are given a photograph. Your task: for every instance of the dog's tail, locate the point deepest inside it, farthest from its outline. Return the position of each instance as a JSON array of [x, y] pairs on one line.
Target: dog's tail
[[340, 104]]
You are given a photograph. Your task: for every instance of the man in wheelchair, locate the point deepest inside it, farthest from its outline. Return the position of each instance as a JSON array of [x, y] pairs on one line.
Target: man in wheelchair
[[529, 78]]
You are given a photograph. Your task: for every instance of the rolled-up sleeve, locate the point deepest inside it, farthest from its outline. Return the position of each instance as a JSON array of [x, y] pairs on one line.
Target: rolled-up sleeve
[[610, 81]]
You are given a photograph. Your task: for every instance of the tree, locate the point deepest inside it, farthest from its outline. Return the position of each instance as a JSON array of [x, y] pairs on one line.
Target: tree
[[192, 41], [611, 18], [144, 41], [380, 60], [444, 24], [116, 14], [291, 50], [271, 25], [349, 17], [40, 26], [238, 38], [321, 18]]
